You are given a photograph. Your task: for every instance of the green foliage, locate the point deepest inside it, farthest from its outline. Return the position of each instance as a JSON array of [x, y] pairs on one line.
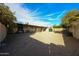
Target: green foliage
[[6, 16], [69, 17], [57, 26], [67, 33], [50, 29]]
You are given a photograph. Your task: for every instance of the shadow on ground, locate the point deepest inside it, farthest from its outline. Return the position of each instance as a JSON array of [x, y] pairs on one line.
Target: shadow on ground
[[21, 44], [71, 47]]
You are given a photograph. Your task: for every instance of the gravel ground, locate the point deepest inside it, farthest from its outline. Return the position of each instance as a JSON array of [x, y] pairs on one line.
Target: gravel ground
[[40, 44]]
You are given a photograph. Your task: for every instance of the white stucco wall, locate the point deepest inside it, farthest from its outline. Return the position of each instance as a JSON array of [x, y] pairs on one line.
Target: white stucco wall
[[76, 32], [3, 32]]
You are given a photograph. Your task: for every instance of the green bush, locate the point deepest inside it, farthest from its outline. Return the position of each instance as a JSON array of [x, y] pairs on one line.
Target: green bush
[[55, 26], [67, 33], [50, 30]]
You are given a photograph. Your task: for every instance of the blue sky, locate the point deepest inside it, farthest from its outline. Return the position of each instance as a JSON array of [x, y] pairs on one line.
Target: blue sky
[[41, 14]]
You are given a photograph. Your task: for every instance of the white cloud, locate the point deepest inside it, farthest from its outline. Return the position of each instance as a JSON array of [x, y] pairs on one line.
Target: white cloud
[[52, 14], [39, 23], [61, 14], [56, 18], [26, 15], [51, 19]]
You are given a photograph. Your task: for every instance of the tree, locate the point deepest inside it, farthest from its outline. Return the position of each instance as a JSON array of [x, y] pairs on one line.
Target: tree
[[57, 26], [7, 17], [69, 17]]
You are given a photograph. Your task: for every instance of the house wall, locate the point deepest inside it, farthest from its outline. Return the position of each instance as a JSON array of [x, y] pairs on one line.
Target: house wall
[[33, 28], [15, 29], [30, 28], [71, 29], [75, 31], [3, 32]]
